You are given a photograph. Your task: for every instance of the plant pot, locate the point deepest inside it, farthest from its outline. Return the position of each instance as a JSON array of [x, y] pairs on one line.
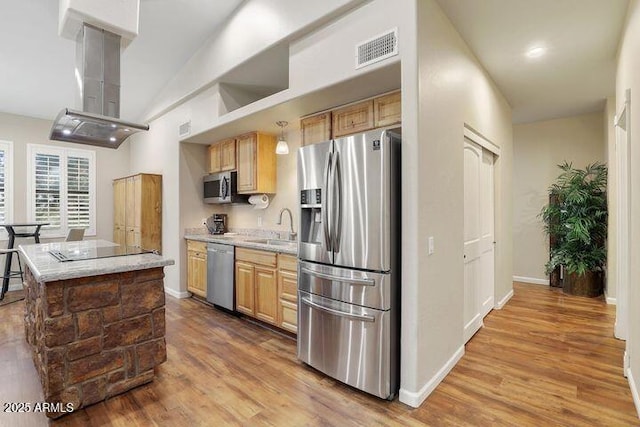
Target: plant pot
[[554, 278], [589, 284]]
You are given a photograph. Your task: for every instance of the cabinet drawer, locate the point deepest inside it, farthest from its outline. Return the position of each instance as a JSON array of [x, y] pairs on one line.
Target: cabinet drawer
[[288, 286], [289, 316], [194, 245], [256, 257], [287, 262]]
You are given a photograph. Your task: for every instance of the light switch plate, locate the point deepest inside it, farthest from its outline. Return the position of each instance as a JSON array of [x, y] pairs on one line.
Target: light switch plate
[[432, 245], [259, 221]]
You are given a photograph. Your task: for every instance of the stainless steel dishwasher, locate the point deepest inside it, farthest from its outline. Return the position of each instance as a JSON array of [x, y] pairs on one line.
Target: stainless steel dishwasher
[[220, 275]]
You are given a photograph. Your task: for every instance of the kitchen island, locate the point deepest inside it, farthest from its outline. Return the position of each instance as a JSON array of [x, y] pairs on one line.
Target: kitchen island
[[96, 326]]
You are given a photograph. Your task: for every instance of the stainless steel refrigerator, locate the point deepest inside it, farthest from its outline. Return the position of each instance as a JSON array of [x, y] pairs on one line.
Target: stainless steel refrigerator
[[349, 270]]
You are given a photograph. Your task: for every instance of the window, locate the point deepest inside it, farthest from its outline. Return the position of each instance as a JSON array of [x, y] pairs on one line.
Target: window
[[6, 183], [61, 189]]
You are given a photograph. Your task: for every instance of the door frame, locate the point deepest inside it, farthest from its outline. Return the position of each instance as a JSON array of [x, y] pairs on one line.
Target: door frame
[[623, 145]]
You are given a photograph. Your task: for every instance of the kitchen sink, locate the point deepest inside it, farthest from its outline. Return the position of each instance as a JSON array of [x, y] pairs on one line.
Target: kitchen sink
[[273, 242]]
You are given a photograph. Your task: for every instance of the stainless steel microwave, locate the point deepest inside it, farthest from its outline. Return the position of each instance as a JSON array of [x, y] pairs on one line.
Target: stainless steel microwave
[[222, 188]]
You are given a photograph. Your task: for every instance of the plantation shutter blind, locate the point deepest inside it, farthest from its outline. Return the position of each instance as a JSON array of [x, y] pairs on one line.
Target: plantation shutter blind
[[47, 189], [3, 186], [78, 197]]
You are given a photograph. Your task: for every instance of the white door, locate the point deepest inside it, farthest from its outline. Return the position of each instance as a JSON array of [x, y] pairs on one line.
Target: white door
[[487, 241], [478, 236]]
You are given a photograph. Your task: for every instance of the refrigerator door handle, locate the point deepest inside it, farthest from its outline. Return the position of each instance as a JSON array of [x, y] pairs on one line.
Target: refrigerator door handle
[[360, 317], [361, 282], [325, 203], [337, 199]]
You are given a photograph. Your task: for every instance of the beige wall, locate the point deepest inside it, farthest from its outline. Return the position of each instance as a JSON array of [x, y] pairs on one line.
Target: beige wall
[[110, 164], [537, 150], [628, 77], [453, 90]]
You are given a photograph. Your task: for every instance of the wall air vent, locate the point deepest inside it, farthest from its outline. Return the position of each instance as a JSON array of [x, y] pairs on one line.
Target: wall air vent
[[184, 129], [377, 48]]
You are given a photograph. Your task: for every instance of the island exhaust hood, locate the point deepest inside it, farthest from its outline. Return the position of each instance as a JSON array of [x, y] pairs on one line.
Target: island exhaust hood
[[98, 77]]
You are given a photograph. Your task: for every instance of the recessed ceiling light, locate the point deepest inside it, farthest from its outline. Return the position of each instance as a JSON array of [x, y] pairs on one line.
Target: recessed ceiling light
[[112, 139], [536, 52]]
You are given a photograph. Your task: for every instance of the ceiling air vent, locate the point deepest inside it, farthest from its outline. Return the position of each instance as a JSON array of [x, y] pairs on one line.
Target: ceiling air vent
[[377, 48], [185, 129]]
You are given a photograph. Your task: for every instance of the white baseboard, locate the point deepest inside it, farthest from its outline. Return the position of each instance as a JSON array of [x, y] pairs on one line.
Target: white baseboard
[[634, 391], [177, 294], [504, 300], [472, 327], [415, 399], [611, 300], [531, 280]]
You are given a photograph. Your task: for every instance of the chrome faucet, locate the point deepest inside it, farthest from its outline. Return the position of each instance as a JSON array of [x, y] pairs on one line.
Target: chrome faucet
[[292, 234]]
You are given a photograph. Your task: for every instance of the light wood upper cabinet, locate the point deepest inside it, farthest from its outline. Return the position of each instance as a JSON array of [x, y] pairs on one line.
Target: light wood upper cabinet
[[228, 154], [315, 128], [373, 113], [215, 165], [353, 119], [119, 197], [222, 156], [138, 211], [197, 268], [387, 110], [256, 161]]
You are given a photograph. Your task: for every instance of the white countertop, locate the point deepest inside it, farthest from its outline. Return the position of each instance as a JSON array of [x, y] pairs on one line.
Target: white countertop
[[46, 268], [245, 241]]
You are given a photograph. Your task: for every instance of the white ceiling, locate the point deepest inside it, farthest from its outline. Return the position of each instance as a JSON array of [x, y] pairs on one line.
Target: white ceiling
[[36, 65], [575, 75]]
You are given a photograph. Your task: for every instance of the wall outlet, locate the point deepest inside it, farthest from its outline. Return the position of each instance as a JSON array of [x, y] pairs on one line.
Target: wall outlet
[[259, 221], [204, 221], [432, 245]]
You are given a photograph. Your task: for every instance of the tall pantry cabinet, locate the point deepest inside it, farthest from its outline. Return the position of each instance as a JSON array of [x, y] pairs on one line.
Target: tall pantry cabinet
[[137, 215]]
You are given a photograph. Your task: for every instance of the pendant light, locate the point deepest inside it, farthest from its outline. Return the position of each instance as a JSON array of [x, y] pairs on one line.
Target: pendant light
[[282, 147]]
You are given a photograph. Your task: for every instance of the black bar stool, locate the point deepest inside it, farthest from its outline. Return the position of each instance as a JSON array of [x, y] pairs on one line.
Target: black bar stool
[[8, 274]]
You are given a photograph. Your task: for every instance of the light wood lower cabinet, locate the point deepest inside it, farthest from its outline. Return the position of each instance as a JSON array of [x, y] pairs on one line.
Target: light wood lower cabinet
[[288, 300], [266, 294], [256, 284], [197, 268], [245, 288], [266, 287]]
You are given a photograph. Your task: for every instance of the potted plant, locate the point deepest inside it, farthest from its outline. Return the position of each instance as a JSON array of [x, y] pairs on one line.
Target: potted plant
[[578, 224]]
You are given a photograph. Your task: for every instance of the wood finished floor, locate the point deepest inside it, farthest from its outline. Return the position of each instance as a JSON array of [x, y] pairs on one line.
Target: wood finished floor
[[546, 359]]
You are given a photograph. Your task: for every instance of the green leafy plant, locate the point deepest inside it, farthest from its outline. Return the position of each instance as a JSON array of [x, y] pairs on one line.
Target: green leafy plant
[[578, 219]]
